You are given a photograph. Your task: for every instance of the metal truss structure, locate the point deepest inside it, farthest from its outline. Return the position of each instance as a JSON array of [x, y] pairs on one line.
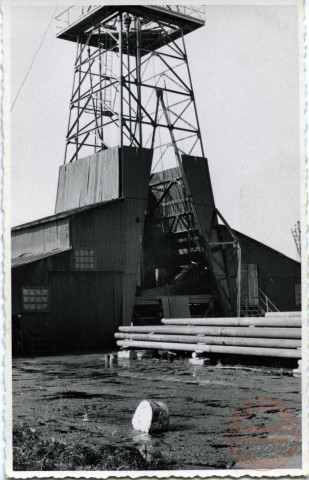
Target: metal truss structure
[[132, 86], [173, 212], [128, 92]]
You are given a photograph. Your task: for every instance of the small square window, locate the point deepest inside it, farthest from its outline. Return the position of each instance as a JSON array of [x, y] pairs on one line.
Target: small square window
[[84, 259], [35, 299]]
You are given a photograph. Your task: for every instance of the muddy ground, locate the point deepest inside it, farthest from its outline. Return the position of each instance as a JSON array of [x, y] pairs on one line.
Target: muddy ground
[[80, 398]]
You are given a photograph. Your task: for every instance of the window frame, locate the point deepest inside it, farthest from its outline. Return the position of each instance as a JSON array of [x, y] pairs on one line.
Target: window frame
[[35, 310], [77, 259]]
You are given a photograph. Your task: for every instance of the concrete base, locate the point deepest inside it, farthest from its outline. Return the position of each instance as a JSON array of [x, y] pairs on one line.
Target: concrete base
[[127, 355]]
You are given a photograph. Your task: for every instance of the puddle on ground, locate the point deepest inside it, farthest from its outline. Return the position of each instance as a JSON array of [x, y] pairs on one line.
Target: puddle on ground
[[56, 394]]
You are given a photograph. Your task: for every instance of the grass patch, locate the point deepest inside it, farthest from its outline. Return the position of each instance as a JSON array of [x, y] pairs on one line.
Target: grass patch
[[32, 453]]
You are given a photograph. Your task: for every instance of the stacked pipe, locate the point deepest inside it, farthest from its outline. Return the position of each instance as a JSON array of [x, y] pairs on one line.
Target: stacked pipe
[[275, 335]]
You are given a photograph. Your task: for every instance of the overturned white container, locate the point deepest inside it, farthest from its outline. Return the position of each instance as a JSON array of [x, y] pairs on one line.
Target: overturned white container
[[199, 361], [151, 416]]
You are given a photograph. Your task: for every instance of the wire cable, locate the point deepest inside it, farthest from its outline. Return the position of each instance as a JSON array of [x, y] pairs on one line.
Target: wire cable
[[35, 55]]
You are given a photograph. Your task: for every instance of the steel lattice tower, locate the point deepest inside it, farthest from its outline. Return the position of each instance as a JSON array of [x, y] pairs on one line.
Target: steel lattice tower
[[127, 89], [132, 87]]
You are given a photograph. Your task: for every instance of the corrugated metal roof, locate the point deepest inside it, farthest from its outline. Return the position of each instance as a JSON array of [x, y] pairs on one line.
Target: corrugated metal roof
[[65, 214], [34, 257]]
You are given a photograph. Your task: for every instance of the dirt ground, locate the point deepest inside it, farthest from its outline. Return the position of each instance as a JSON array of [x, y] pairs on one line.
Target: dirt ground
[[81, 398]]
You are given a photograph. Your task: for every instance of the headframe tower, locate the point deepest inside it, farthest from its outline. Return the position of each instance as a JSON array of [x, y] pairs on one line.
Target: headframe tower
[[132, 88], [127, 89]]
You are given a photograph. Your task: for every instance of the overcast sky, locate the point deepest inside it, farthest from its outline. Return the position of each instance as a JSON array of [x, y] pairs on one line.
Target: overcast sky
[[245, 72]]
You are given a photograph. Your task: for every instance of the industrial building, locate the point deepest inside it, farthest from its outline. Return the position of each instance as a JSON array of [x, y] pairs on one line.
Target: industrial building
[[81, 273], [131, 242]]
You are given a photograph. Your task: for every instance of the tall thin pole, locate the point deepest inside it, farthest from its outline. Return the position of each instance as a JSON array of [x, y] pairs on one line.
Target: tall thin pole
[[138, 78], [129, 89], [238, 279], [192, 96], [71, 107], [100, 79], [120, 45], [78, 104]]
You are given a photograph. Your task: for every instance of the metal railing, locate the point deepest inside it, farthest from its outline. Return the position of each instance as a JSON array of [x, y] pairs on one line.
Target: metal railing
[[262, 306], [74, 13], [71, 15], [194, 11], [266, 303]]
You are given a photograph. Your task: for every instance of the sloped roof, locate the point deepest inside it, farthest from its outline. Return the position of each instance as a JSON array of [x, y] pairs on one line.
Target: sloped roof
[[65, 214], [34, 257]]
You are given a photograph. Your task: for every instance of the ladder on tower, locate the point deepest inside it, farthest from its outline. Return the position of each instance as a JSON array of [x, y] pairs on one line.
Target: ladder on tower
[[108, 67]]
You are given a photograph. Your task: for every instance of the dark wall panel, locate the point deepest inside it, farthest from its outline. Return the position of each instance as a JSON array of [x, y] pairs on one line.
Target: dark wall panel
[[136, 165], [36, 274], [199, 183], [85, 309], [277, 274]]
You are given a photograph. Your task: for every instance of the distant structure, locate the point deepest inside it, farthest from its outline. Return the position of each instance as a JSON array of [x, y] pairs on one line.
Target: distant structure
[[296, 232], [136, 234]]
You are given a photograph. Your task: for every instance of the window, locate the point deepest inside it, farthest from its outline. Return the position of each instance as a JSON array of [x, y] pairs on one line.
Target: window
[[84, 259], [35, 299]]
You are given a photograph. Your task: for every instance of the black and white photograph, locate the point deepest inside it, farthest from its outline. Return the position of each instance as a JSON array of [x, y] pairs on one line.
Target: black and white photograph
[[155, 239]]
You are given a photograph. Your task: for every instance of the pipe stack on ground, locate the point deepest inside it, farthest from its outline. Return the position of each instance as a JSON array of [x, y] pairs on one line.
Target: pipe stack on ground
[[275, 335]]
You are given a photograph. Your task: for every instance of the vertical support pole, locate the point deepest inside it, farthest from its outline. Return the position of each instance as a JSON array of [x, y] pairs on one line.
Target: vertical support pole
[[120, 47], [78, 103], [192, 98], [71, 105], [129, 87], [238, 279], [120, 107], [267, 308], [100, 79], [139, 79], [170, 127]]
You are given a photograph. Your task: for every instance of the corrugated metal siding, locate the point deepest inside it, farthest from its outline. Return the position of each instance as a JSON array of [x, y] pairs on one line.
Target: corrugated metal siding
[[85, 309], [103, 230], [89, 180], [199, 183], [115, 230], [36, 274], [136, 166]]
